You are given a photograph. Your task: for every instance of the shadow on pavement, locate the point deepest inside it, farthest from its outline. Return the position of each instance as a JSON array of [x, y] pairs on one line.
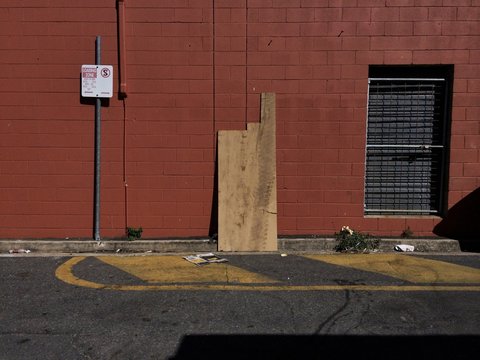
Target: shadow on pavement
[[327, 347], [461, 222]]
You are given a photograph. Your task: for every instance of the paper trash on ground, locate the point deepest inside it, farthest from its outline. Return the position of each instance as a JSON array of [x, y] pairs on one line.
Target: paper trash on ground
[[19, 251], [204, 259], [404, 248]]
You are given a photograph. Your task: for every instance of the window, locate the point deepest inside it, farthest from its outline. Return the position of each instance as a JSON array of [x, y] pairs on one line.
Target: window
[[407, 118]]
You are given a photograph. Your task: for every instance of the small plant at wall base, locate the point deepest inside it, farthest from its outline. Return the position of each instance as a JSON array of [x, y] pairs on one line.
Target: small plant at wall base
[[354, 241], [134, 233], [407, 233]]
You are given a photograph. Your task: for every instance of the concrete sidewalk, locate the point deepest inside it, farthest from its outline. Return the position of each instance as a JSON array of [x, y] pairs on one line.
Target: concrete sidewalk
[[207, 245]]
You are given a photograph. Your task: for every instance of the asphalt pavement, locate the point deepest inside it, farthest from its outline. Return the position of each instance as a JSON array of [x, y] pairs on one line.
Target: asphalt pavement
[[254, 306]]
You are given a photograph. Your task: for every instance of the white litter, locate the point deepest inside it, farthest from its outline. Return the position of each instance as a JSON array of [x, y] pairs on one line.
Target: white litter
[[404, 248], [204, 259], [19, 251]]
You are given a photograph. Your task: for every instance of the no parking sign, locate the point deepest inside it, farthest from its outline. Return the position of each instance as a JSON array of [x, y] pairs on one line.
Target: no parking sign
[[97, 81]]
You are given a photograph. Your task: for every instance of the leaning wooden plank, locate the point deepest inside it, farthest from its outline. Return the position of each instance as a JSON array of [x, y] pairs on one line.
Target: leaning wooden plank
[[247, 197]]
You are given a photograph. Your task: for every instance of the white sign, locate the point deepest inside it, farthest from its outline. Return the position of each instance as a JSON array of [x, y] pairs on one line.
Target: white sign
[[97, 81]]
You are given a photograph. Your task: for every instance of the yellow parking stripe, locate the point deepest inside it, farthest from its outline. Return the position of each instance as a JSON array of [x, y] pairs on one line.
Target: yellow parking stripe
[[406, 267], [175, 269], [65, 273]]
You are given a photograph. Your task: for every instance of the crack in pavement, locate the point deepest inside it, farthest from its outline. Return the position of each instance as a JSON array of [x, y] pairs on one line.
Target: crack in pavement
[[335, 314]]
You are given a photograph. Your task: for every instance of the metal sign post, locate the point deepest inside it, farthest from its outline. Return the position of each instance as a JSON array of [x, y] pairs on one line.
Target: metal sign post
[[98, 116], [97, 82]]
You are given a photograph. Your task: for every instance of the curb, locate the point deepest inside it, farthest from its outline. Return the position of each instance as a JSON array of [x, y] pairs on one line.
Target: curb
[[206, 245]]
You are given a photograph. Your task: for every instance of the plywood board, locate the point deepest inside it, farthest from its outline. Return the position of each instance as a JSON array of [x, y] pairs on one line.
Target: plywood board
[[247, 185]]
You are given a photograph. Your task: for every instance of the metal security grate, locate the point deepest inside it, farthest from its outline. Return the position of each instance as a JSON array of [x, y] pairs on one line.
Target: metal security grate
[[405, 146]]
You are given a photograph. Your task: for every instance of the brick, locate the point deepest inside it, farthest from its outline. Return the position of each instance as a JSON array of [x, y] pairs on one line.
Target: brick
[[308, 225], [390, 43], [472, 141], [352, 183], [369, 57], [457, 142], [273, 29], [297, 209], [314, 3], [338, 169], [356, 14], [300, 15], [312, 57], [465, 184], [443, 13], [310, 114], [327, 43], [343, 28], [471, 169], [467, 99], [340, 86], [402, 28], [285, 58], [327, 100], [298, 101], [390, 3], [342, 114], [355, 43], [139, 15], [272, 15], [381, 14], [370, 28], [474, 86], [298, 72], [473, 113], [309, 142], [414, 14], [230, 58], [341, 57], [464, 156], [463, 71], [328, 14], [266, 72], [300, 43], [354, 72], [397, 225], [325, 155], [458, 114], [456, 28], [371, 3], [312, 86], [230, 4], [340, 3], [398, 57], [314, 29], [286, 3], [468, 13], [428, 3], [338, 197], [428, 28], [354, 101], [322, 183]]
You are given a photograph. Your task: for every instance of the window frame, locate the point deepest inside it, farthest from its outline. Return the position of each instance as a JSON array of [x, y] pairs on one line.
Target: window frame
[[437, 198]]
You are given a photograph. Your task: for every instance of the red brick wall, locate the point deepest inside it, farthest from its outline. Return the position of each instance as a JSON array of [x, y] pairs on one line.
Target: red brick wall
[[194, 69]]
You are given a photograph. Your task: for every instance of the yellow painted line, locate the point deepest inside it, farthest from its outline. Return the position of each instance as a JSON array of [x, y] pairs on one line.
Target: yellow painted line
[[406, 267], [65, 273], [175, 269]]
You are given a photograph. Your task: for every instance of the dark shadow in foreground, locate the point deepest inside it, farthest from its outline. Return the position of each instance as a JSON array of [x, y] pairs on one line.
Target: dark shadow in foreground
[[462, 221], [327, 347]]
